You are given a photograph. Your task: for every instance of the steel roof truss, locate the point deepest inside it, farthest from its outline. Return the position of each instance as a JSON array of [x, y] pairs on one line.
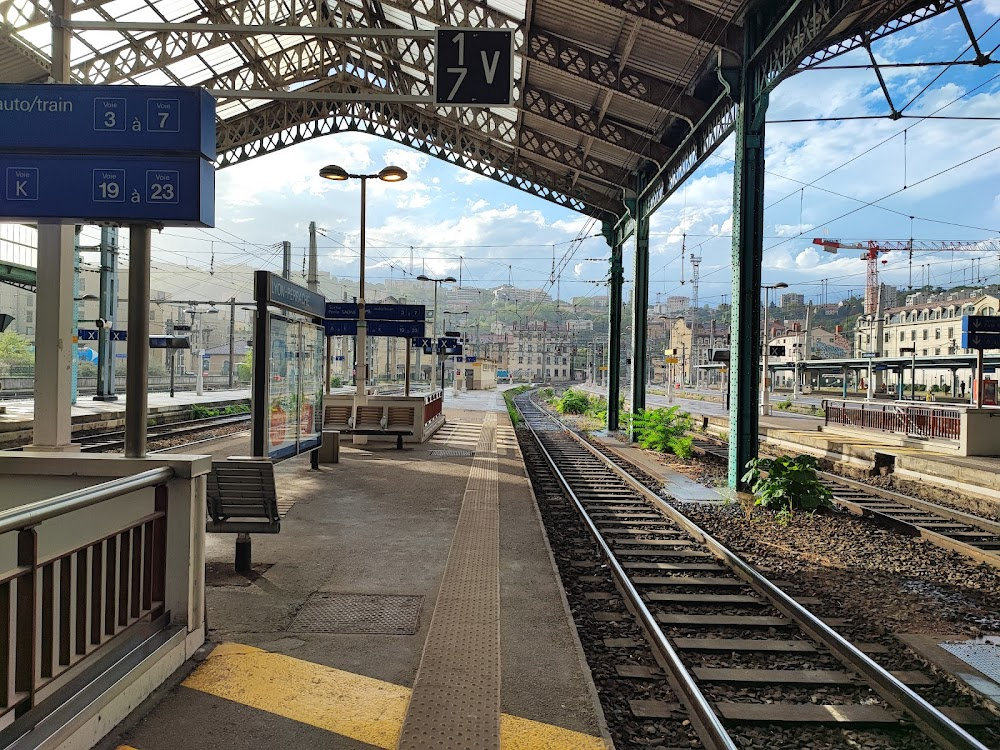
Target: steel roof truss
[[589, 123], [281, 124], [683, 18], [569, 57]]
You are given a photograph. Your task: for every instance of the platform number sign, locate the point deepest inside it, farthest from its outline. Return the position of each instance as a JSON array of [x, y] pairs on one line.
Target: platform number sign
[[474, 67]]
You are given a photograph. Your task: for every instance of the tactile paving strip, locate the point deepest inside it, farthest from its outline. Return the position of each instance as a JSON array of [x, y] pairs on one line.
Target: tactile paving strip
[[455, 701], [359, 613]]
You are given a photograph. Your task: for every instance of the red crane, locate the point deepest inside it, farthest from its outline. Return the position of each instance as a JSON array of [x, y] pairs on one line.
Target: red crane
[[874, 248]]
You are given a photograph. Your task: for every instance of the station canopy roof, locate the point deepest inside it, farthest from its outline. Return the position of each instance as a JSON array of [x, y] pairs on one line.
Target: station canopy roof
[[603, 88]]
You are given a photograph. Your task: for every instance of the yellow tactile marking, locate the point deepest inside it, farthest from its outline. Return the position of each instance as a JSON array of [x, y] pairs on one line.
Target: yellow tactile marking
[[352, 705]]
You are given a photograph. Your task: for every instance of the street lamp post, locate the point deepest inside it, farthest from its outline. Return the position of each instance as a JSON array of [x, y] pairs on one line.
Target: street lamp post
[[339, 174], [437, 283], [765, 407]]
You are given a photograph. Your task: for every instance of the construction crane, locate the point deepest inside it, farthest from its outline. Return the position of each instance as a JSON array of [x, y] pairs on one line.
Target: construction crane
[[874, 248]]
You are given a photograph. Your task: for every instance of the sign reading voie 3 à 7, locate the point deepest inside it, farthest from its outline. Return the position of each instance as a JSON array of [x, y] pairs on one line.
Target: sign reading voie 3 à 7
[[117, 119]]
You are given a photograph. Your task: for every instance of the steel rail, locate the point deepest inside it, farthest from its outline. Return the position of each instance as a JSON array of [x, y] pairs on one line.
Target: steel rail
[[703, 716], [931, 721], [34, 513], [916, 503]]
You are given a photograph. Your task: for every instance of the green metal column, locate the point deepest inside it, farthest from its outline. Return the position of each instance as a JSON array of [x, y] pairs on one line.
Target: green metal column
[[614, 335], [748, 243], [640, 301]]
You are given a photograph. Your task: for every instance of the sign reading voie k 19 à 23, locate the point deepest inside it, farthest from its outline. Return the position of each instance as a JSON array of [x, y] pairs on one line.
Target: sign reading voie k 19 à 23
[[120, 154], [165, 190], [116, 119]]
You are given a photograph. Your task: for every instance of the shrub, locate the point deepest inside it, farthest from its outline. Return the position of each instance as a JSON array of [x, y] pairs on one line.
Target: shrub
[[336, 381], [787, 484], [654, 429], [573, 402], [784, 405], [680, 446]]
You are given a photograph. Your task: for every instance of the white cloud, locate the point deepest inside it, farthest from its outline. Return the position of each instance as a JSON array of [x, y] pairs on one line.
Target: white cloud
[[467, 177], [412, 161]]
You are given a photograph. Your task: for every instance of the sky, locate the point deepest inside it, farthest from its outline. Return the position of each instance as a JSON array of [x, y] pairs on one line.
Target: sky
[[921, 177]]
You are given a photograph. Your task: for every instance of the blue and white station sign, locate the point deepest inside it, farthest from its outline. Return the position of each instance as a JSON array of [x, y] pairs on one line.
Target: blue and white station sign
[[114, 119], [175, 191]]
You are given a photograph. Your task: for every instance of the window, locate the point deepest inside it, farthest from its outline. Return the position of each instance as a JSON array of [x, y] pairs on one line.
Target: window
[[886, 339], [520, 360], [951, 332], [902, 336], [29, 331], [937, 350], [913, 335], [924, 352], [923, 335], [937, 333], [31, 300], [29, 317], [152, 315]]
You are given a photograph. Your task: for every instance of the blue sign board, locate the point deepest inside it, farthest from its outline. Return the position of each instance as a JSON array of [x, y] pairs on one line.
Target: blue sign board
[[980, 340], [91, 334], [111, 119], [981, 324], [398, 328], [470, 359], [376, 311], [280, 292], [173, 191]]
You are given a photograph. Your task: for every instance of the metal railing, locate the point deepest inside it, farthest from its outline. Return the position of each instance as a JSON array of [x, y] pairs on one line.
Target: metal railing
[[62, 609], [926, 422]]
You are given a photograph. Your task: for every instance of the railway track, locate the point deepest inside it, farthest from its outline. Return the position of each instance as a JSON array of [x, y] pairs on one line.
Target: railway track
[[110, 441], [970, 535], [734, 655]]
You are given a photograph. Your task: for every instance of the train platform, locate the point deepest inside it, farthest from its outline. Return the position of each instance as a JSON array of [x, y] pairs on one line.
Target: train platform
[[410, 600], [87, 408]]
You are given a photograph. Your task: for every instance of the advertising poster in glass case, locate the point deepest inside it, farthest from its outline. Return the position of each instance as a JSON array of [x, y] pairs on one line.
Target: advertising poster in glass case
[[295, 387], [312, 343], [282, 389]]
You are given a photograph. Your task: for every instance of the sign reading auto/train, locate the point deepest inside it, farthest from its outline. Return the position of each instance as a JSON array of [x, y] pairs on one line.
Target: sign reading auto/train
[[474, 67], [118, 154], [115, 119]]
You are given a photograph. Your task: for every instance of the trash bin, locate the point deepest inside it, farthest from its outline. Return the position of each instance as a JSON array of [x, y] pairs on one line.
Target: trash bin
[[329, 450]]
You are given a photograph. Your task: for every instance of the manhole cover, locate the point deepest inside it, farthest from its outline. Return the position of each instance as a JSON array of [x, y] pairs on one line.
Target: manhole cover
[[359, 613], [452, 453]]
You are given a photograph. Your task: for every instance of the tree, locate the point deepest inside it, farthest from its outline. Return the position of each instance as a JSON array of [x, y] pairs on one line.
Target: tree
[[15, 351]]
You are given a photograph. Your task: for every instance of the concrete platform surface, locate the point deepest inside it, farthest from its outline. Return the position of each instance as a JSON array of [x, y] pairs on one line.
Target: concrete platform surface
[[23, 410], [320, 648]]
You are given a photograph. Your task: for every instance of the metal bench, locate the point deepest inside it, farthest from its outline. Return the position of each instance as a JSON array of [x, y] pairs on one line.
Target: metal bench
[[242, 499], [400, 434]]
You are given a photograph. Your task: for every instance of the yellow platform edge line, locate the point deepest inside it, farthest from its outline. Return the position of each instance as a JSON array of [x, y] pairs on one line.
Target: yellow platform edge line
[[348, 704]]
